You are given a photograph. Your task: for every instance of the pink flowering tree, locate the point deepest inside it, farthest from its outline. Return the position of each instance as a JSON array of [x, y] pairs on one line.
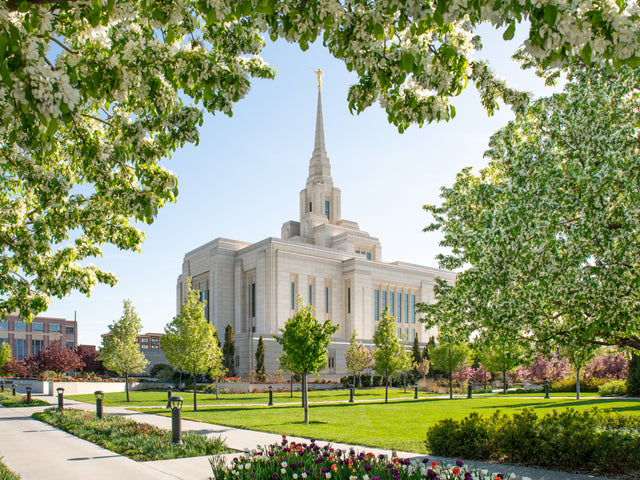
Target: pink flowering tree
[[607, 366]]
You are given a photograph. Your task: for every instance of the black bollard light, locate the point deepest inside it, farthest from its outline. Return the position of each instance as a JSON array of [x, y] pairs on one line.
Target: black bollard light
[[2, 386], [351, 390], [169, 394], [176, 427], [60, 391], [546, 389], [99, 402], [28, 394], [270, 396], [13, 389], [415, 392], [469, 390]]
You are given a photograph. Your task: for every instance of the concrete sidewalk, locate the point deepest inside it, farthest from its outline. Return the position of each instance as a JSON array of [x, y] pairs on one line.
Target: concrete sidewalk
[[38, 451]]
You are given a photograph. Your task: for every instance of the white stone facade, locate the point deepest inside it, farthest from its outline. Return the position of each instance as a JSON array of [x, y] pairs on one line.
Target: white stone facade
[[326, 260]]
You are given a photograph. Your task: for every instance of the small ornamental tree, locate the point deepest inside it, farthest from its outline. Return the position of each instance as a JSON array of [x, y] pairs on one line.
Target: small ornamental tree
[[633, 376], [217, 371], [416, 354], [15, 368], [190, 342], [260, 373], [389, 355], [304, 343], [357, 357], [229, 350], [449, 356], [5, 354], [120, 351], [501, 358], [608, 365], [59, 359]]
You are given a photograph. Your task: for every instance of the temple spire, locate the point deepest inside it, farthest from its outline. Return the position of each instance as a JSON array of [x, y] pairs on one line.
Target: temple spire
[[319, 142]]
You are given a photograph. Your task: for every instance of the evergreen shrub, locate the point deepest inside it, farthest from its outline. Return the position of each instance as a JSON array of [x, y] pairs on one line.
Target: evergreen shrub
[[596, 440]]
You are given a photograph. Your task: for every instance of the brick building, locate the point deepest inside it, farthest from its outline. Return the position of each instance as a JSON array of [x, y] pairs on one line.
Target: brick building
[[28, 339]]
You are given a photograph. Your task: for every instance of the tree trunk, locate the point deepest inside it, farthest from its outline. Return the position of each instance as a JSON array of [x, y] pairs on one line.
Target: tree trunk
[[577, 383], [305, 400], [386, 389], [291, 385], [404, 379], [504, 382], [217, 398], [450, 385], [195, 405], [126, 384]]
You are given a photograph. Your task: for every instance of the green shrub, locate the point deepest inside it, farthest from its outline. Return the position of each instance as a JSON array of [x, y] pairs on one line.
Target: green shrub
[[377, 381], [613, 388], [138, 441], [587, 385], [9, 401], [595, 440]]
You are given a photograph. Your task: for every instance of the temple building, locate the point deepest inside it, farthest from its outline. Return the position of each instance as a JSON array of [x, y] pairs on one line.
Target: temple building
[[325, 259]]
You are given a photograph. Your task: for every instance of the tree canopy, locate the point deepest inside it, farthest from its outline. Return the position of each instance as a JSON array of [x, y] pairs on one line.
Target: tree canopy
[[548, 232], [304, 343], [95, 93], [190, 342], [357, 356], [120, 351]]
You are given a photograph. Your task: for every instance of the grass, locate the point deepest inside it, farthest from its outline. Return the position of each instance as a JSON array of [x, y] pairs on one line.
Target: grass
[[154, 399], [137, 441], [6, 474], [11, 401], [399, 425]]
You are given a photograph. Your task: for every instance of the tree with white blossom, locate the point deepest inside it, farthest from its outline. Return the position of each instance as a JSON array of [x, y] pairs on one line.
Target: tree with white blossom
[[548, 231], [94, 94]]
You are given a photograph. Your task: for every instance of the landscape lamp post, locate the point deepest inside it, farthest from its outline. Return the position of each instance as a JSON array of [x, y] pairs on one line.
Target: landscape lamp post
[[469, 390], [415, 392], [13, 389], [270, 404], [60, 391], [546, 389], [99, 399], [169, 393], [176, 428], [351, 389], [28, 394]]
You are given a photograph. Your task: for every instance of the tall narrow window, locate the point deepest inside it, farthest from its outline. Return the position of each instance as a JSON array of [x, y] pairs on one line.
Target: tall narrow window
[[293, 295], [253, 300], [399, 303], [326, 209], [310, 294], [413, 309], [368, 255], [310, 206], [392, 308], [384, 300], [406, 308], [349, 300], [376, 304], [326, 299]]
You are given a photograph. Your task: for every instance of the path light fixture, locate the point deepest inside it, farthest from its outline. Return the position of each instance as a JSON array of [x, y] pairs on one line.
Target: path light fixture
[[60, 391], [13, 389], [169, 394], [176, 427], [28, 394], [351, 390], [415, 392], [469, 390], [546, 389], [99, 403], [270, 404]]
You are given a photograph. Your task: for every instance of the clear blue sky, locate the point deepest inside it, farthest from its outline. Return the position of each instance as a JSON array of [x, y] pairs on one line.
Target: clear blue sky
[[243, 179]]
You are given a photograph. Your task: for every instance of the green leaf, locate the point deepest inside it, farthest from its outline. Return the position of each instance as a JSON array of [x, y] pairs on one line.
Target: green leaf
[[378, 31], [407, 62], [24, 7], [586, 54], [437, 16], [510, 31], [247, 8], [550, 14], [52, 128], [6, 75]]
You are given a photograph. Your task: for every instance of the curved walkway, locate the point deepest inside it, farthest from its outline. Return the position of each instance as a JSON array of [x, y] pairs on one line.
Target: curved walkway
[[38, 451]]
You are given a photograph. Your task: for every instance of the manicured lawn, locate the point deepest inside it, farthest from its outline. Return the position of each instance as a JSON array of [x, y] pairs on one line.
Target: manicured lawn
[[151, 399], [397, 425]]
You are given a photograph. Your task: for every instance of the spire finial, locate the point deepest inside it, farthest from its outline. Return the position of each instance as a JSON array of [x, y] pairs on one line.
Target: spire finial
[[319, 74]]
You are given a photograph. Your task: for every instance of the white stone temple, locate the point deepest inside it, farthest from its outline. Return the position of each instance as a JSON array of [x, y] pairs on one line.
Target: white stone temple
[[325, 259]]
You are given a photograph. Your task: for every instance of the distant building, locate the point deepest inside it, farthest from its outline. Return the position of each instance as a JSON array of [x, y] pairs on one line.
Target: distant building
[[28, 339], [327, 260]]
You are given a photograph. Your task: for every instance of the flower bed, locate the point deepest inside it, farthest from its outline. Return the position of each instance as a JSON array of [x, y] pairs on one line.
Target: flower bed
[[290, 460]]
